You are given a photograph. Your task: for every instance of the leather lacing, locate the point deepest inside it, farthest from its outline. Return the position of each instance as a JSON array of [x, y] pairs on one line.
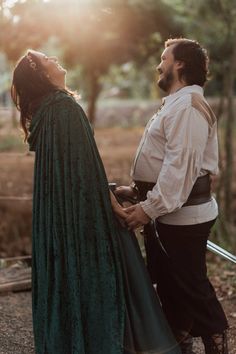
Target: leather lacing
[[216, 344]]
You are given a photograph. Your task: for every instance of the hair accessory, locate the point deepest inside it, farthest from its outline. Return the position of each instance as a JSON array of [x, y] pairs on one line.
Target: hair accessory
[[31, 62]]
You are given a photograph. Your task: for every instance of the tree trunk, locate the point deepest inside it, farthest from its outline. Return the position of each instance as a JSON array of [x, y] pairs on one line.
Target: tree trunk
[[94, 90], [228, 173], [219, 114], [221, 104], [14, 120]]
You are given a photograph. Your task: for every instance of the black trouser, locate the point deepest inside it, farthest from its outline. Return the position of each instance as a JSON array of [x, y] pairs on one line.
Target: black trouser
[[187, 296]]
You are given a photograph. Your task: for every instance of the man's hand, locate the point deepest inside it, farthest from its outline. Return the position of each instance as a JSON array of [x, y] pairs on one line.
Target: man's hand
[[136, 217], [125, 191]]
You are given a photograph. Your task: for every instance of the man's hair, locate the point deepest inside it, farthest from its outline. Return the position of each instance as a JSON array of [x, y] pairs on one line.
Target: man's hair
[[194, 57]]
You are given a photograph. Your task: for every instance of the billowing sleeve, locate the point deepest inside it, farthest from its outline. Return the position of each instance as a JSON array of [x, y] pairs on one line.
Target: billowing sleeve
[[186, 134]]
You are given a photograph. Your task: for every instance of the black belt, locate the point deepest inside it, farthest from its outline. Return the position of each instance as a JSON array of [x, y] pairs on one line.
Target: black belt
[[200, 193]]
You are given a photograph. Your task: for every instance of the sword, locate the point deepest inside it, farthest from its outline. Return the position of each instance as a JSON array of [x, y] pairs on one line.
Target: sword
[[211, 246]]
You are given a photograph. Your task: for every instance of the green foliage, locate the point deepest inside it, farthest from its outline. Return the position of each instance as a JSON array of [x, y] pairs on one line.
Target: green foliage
[[112, 30], [4, 73], [212, 22], [131, 80], [95, 34], [11, 143]]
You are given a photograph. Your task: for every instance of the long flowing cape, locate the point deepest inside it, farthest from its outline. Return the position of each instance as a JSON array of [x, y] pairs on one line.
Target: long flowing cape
[[91, 293]]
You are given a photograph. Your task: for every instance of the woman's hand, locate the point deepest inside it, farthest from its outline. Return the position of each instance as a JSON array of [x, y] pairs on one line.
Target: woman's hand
[[117, 208]]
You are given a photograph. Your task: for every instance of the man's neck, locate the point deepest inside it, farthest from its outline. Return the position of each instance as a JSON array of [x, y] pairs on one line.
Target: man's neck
[[176, 87]]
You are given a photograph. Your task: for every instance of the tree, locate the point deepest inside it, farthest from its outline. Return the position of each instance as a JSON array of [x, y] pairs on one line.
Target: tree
[[111, 34], [96, 34]]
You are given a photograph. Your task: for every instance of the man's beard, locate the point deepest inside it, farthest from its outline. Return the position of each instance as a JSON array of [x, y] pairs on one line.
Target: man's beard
[[166, 82]]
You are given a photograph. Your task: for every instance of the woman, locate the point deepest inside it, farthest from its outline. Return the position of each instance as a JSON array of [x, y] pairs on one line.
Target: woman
[[91, 293]]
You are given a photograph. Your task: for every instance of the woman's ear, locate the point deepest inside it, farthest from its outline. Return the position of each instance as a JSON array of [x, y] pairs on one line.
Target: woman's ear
[[44, 74]]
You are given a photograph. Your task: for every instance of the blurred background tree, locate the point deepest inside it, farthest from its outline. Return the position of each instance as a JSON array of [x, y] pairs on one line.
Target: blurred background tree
[[92, 34]]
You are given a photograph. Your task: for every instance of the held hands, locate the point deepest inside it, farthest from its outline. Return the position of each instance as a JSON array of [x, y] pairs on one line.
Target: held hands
[[136, 217], [132, 216], [118, 209]]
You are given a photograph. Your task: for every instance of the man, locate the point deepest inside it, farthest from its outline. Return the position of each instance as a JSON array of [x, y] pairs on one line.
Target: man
[[177, 154]]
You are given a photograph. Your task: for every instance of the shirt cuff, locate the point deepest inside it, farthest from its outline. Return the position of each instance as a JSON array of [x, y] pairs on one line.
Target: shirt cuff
[[149, 210]]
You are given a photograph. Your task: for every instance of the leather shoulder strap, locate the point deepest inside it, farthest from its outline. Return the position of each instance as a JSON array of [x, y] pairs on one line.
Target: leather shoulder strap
[[203, 107]]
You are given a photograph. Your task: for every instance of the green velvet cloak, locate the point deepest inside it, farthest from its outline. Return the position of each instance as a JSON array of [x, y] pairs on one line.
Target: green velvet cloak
[[91, 293]]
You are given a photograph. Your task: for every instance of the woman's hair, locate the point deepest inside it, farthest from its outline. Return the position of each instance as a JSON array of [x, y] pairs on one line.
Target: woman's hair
[[194, 57], [29, 85]]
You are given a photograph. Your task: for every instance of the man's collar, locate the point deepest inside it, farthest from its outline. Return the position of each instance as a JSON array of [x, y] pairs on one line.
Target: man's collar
[[186, 89]]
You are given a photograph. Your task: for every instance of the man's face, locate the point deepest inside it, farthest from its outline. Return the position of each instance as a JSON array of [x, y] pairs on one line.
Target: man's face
[[167, 69]]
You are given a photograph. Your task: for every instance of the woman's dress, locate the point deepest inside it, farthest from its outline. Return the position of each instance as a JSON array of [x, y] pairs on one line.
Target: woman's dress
[[91, 291]]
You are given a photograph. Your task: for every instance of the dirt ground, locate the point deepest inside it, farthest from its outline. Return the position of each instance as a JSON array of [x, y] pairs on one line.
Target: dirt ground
[[16, 336], [117, 147]]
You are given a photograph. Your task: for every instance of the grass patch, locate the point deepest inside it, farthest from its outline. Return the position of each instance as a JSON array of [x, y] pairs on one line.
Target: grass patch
[[9, 143]]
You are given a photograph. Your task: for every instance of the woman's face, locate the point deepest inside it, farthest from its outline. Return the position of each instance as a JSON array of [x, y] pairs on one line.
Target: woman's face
[[53, 70]]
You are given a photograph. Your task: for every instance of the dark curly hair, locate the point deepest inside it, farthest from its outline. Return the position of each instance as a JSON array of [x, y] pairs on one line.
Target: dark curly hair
[[194, 57], [30, 85]]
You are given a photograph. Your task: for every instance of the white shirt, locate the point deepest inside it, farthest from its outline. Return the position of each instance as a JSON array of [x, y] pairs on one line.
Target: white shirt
[[179, 144]]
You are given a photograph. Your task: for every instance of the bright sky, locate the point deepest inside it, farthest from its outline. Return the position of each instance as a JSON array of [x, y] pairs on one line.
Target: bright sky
[[10, 3]]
